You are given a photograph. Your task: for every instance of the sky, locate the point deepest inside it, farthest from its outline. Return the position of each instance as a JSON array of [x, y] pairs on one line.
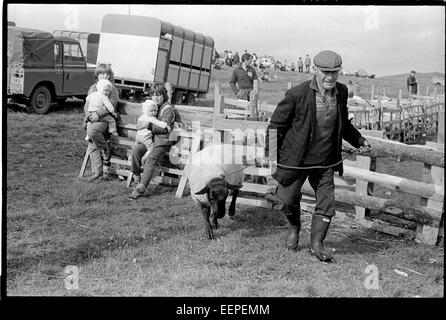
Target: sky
[[383, 40]]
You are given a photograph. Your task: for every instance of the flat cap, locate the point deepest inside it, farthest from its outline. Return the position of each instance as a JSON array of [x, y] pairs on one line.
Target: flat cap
[[328, 61]]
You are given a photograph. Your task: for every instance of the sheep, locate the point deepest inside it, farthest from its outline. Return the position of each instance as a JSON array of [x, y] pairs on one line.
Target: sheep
[[212, 172]]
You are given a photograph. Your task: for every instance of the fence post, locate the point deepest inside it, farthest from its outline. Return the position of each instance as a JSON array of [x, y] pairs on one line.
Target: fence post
[[372, 92], [429, 234], [219, 108], [219, 104], [364, 187], [253, 110], [427, 91], [440, 135], [169, 91], [255, 86], [385, 92], [435, 92], [216, 89], [289, 85], [381, 116]]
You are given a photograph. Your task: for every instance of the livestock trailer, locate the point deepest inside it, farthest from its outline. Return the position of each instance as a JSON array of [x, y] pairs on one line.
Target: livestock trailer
[[89, 42], [145, 50]]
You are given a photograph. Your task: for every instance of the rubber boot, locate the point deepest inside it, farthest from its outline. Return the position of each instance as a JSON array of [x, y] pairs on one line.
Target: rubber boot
[[292, 215], [319, 228]]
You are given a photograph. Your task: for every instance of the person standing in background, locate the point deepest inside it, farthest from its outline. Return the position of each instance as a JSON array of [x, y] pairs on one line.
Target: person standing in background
[[235, 59], [300, 65], [243, 76], [412, 86], [307, 63]]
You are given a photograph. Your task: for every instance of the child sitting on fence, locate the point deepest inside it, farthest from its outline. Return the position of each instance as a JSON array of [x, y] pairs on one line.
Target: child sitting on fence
[[145, 136], [98, 100]]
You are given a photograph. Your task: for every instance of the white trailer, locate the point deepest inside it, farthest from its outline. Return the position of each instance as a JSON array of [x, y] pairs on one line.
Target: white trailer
[[144, 50]]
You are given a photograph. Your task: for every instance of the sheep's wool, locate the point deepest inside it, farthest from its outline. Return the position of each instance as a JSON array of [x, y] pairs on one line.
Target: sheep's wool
[[210, 163]]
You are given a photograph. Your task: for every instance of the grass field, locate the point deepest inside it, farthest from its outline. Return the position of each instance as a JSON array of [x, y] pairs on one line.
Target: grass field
[[156, 246]]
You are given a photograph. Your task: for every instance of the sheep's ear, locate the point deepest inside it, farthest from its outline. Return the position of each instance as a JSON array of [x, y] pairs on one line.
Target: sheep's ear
[[234, 186], [203, 191]]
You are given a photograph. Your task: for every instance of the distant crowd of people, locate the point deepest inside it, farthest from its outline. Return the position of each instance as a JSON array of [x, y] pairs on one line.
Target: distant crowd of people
[[230, 59]]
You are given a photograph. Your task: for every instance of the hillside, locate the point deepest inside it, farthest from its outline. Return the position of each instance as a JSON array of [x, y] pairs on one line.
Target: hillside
[[273, 92], [421, 77]]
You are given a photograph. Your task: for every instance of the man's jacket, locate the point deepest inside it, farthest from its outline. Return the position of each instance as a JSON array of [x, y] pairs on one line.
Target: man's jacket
[[412, 84], [295, 119]]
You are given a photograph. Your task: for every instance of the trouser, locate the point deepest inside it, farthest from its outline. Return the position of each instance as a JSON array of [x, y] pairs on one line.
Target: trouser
[[147, 141], [307, 69], [301, 69], [138, 152], [322, 182], [96, 132], [108, 118], [243, 94]]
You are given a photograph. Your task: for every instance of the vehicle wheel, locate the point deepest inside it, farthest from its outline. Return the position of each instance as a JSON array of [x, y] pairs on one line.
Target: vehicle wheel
[[41, 100], [190, 99], [177, 98]]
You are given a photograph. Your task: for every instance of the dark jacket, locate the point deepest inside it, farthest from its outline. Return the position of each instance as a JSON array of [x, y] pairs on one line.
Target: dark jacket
[[412, 85], [161, 136], [244, 79], [294, 119]]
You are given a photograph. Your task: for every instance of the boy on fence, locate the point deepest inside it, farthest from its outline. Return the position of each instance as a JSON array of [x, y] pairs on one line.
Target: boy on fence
[[98, 100]]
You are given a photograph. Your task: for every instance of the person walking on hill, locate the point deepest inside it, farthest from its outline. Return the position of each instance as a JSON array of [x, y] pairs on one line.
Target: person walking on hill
[[243, 76], [412, 86], [309, 125], [350, 88], [307, 63], [300, 65], [230, 58]]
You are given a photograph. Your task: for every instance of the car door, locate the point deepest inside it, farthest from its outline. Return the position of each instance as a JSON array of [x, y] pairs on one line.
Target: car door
[[58, 66], [74, 70]]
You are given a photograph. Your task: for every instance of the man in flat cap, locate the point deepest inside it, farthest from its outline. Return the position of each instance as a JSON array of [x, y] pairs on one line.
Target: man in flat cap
[[309, 125]]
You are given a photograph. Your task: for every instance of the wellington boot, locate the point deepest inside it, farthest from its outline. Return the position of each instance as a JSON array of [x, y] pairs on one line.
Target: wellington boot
[[292, 215], [319, 228]]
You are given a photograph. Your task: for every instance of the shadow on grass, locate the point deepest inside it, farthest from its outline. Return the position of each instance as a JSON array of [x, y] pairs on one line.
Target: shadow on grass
[[353, 244], [258, 222], [57, 260], [16, 107]]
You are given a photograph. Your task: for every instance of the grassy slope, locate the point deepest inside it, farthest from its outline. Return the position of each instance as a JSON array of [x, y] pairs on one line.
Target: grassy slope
[[273, 92], [156, 247]]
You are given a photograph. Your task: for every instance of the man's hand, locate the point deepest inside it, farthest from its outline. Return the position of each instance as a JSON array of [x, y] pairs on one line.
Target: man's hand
[[264, 161], [366, 147]]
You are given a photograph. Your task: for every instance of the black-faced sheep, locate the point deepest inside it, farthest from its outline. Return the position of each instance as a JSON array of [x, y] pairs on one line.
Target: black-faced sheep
[[212, 172]]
